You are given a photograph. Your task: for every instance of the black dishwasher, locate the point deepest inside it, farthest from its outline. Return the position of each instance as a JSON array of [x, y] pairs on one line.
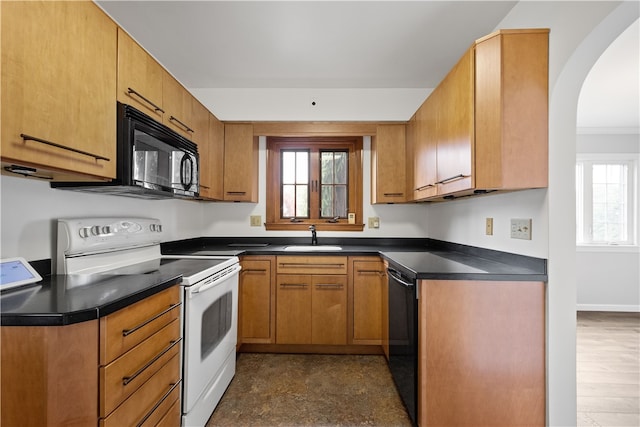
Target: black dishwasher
[[403, 338]]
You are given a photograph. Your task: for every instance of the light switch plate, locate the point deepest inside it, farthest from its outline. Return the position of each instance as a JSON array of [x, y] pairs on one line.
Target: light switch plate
[[256, 220], [521, 228], [488, 228]]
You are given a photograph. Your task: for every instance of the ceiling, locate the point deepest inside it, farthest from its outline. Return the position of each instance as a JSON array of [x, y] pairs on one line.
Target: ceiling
[[338, 45]]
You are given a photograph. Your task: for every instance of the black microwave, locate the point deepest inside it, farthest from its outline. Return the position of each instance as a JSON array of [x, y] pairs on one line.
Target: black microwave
[[153, 161]]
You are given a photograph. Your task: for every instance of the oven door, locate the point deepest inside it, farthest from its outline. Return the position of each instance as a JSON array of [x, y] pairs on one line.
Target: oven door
[[210, 332]]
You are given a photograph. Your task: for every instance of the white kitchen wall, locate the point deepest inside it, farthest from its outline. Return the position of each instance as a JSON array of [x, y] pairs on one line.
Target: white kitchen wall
[[232, 219], [29, 209], [608, 278]]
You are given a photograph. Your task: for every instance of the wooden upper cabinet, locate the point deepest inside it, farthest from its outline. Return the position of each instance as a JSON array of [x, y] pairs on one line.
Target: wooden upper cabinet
[[410, 143], [240, 163], [512, 98], [178, 106], [454, 128], [424, 148], [139, 77], [200, 122], [58, 85], [212, 161], [388, 157], [485, 127]]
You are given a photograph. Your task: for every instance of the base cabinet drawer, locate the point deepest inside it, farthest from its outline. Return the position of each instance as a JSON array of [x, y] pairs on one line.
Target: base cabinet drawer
[[149, 398], [122, 377]]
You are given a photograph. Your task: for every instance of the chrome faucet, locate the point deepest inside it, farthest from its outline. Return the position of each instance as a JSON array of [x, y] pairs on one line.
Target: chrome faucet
[[314, 236]]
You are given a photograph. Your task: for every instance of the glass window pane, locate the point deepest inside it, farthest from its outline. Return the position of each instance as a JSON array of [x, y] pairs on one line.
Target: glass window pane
[[326, 203], [302, 167], [288, 167], [599, 174], [614, 174], [302, 201], [340, 168], [341, 201], [326, 165], [288, 201]]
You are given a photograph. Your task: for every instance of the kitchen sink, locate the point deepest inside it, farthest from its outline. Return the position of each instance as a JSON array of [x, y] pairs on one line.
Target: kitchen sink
[[305, 248]]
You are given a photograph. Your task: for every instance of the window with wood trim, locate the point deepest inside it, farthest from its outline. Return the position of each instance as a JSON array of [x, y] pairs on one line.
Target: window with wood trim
[[314, 180]]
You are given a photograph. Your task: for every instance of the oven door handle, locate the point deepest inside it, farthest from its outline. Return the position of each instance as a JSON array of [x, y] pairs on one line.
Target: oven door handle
[[398, 278], [209, 285]]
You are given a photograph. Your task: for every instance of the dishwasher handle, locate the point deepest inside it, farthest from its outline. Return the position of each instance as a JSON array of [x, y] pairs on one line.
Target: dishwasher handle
[[397, 276]]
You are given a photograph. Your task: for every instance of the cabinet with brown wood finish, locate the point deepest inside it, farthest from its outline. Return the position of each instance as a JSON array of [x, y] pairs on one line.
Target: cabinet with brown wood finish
[[58, 90], [481, 348], [388, 157], [366, 281], [311, 300], [211, 154], [257, 300], [140, 362], [240, 163]]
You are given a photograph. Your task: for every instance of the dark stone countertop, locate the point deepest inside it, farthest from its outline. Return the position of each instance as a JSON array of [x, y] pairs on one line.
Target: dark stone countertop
[[66, 299]]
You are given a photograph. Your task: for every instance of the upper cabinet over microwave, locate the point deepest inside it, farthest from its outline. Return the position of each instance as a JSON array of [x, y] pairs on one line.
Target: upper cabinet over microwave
[[57, 97]]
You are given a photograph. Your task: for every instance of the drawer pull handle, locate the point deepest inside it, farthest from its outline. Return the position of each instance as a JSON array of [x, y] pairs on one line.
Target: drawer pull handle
[[237, 193], [393, 194], [452, 178], [255, 270], [127, 380], [155, 107], [158, 403], [303, 265], [126, 332], [328, 286], [182, 125], [53, 144]]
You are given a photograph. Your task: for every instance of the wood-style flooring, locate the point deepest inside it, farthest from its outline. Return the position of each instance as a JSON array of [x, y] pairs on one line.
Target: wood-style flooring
[[608, 369]]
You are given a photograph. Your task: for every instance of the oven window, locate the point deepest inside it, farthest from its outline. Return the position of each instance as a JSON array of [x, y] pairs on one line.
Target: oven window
[[216, 322]]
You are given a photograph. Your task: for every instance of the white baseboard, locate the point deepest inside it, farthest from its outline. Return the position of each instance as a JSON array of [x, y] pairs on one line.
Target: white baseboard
[[608, 307]]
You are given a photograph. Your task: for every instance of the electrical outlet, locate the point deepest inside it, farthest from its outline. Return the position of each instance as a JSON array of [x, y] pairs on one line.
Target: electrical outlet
[[256, 220], [488, 228], [374, 222], [521, 228]]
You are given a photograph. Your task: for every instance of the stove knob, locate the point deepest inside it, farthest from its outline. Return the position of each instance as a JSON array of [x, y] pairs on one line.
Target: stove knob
[[106, 229], [84, 232], [152, 227], [95, 230], [159, 228]]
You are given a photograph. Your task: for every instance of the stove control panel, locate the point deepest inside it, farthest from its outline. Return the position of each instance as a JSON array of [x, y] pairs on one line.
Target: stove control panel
[[81, 236]]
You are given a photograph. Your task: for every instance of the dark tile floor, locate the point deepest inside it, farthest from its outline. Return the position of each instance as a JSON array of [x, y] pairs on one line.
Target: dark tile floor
[[310, 390]]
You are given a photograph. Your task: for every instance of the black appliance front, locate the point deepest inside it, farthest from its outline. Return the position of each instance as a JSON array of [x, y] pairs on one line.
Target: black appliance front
[[403, 339], [153, 161]]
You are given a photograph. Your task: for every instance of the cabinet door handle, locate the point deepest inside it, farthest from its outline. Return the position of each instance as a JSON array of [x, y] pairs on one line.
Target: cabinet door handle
[[452, 178], [393, 194], [158, 403], [293, 285], [254, 270], [126, 332], [329, 286], [127, 380], [53, 144], [378, 272], [182, 125], [424, 187], [236, 193], [155, 107]]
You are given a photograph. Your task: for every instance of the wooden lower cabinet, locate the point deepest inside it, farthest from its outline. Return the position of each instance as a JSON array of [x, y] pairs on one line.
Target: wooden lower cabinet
[[120, 370], [140, 361], [367, 276], [481, 353], [49, 375], [257, 300]]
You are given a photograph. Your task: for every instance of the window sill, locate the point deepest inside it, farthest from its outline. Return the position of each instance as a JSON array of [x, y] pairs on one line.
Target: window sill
[[608, 248], [320, 226]]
